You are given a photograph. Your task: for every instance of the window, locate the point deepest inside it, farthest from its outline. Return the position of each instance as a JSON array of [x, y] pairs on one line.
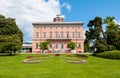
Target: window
[[62, 46], [36, 45], [51, 34], [67, 34], [44, 34], [73, 34], [56, 45], [44, 27], [67, 27], [56, 27], [50, 27], [50, 45], [62, 27], [37, 34], [73, 27], [62, 34], [37, 28], [56, 34], [78, 34], [79, 45]]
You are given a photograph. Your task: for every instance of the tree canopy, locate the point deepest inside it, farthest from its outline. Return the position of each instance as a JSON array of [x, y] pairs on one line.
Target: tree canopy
[[109, 40], [71, 45], [10, 35], [44, 45]]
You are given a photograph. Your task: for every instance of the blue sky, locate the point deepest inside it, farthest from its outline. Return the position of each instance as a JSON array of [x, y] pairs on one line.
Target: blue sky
[[85, 10], [27, 12]]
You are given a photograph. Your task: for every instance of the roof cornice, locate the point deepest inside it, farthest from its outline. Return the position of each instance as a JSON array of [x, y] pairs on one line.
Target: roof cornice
[[58, 23]]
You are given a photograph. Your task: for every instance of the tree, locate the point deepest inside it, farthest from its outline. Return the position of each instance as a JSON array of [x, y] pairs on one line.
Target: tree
[[101, 45], [44, 46], [10, 36], [86, 47], [71, 45], [112, 32], [95, 29]]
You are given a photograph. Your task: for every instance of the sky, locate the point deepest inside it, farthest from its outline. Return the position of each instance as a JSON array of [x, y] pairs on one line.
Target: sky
[[27, 12]]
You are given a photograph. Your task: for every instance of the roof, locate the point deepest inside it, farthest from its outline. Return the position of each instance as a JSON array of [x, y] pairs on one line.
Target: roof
[[58, 23]]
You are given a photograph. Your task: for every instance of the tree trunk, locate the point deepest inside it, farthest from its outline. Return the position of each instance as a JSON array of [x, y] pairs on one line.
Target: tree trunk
[[104, 35]]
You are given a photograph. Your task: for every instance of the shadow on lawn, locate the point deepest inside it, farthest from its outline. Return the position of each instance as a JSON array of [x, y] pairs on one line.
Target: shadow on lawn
[[6, 54]]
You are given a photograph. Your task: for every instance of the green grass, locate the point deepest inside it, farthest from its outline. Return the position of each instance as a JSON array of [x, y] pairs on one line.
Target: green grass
[[56, 67]]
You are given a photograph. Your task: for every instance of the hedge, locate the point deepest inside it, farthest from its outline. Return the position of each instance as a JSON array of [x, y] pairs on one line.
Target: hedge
[[110, 54]]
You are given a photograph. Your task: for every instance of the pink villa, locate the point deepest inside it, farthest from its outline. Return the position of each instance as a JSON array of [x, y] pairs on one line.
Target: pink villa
[[59, 33]]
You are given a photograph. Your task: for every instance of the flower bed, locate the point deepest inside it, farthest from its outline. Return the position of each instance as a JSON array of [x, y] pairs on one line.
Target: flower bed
[[31, 61], [76, 61], [57, 54]]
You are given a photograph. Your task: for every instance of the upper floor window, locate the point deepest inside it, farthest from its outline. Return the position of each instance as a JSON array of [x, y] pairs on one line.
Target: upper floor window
[[44, 27], [56, 34], [67, 27], [62, 27], [51, 34], [73, 34], [37, 34], [73, 27], [56, 27], [50, 27], [44, 34], [37, 28], [61, 34], [67, 34], [78, 34]]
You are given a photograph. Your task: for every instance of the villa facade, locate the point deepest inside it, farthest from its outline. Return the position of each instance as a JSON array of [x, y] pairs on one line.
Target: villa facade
[[58, 33]]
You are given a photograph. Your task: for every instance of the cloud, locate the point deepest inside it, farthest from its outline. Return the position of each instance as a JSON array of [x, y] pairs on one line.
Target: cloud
[[117, 22], [28, 11], [66, 5]]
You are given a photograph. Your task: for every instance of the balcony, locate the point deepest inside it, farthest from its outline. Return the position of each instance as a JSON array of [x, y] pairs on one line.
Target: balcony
[[58, 38]]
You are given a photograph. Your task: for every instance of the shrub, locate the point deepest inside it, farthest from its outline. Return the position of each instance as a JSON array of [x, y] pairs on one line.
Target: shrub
[[57, 54], [109, 54]]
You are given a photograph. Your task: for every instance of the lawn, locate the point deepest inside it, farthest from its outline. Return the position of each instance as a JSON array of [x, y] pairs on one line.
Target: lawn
[[56, 67]]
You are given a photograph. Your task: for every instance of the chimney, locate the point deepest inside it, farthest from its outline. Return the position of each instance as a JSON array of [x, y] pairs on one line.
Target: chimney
[[58, 18]]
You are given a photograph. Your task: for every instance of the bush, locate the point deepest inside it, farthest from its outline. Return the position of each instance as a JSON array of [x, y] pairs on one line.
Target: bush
[[109, 54]]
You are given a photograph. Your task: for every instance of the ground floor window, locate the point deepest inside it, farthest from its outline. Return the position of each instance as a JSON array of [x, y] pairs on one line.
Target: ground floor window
[[37, 45], [56, 45], [79, 45], [62, 46], [50, 45]]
